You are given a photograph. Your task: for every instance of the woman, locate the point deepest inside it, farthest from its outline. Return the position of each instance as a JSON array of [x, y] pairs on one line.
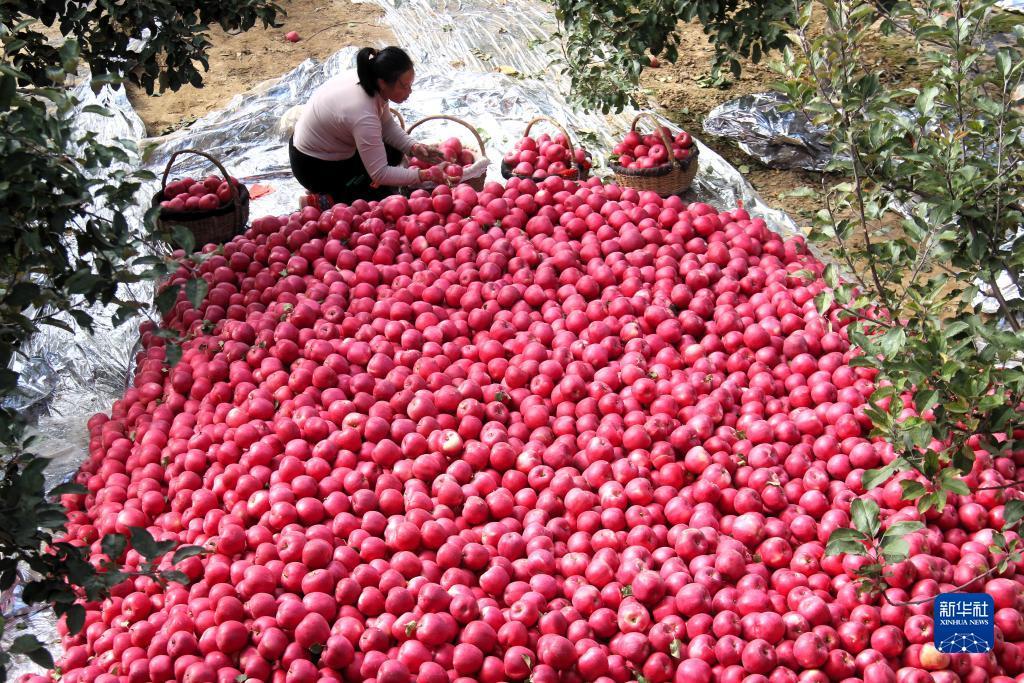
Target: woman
[[346, 144]]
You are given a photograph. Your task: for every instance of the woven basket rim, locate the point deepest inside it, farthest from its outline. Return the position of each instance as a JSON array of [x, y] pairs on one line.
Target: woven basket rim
[[191, 216], [657, 171]]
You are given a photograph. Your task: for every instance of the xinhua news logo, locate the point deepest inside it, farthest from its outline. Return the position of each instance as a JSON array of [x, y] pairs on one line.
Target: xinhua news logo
[[964, 622]]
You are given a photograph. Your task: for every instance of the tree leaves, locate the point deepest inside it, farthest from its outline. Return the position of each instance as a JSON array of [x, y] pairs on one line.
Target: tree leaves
[[166, 299], [1013, 513], [113, 546], [185, 552], [864, 514], [846, 541], [144, 544], [607, 44], [872, 478], [195, 290], [925, 222]]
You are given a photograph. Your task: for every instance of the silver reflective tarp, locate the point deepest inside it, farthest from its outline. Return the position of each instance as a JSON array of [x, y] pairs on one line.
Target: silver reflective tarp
[[767, 131]]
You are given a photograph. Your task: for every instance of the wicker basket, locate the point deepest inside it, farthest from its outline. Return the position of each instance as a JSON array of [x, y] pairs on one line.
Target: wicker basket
[[668, 179], [575, 172], [215, 226], [478, 182], [398, 115]]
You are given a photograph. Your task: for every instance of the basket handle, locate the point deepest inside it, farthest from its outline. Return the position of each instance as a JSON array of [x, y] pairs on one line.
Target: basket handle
[[556, 124], [220, 167], [435, 117], [398, 115], [658, 129]]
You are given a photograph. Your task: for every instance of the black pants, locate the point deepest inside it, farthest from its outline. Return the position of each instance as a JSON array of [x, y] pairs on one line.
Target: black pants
[[345, 181]]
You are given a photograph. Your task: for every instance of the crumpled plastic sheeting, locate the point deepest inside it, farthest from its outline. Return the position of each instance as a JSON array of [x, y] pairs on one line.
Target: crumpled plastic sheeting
[[764, 130], [480, 60]]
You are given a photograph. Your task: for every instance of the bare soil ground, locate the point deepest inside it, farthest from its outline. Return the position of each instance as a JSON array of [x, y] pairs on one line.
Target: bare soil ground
[[240, 62]]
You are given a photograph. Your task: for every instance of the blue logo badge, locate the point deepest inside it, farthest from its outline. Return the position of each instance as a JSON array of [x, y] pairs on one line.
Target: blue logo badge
[[964, 622]]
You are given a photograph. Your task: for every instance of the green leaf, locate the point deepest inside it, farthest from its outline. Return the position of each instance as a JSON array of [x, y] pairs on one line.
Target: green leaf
[[82, 281], [23, 294], [824, 301], [167, 298], [926, 100], [172, 354], [865, 516], [195, 290], [894, 549], [846, 542], [963, 459], [185, 552], [113, 546], [845, 548], [848, 534], [957, 486], [144, 543], [75, 617], [175, 577], [675, 648], [900, 529], [873, 478], [8, 88], [892, 342], [68, 488], [912, 490], [1013, 512], [184, 238], [831, 276], [926, 399]]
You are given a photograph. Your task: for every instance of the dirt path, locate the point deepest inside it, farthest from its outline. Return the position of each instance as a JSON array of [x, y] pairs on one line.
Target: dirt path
[[239, 62]]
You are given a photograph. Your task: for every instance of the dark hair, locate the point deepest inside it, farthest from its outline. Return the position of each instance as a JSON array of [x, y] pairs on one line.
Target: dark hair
[[387, 65]]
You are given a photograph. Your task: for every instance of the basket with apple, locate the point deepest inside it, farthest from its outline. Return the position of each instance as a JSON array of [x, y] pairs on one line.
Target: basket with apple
[[546, 155], [655, 162], [461, 164], [214, 209]]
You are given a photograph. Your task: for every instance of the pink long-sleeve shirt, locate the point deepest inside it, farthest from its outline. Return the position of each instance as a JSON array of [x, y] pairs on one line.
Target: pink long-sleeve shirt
[[341, 120]]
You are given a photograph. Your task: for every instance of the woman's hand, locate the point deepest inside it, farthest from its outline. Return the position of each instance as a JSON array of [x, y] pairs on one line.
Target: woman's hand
[[428, 153], [434, 174]]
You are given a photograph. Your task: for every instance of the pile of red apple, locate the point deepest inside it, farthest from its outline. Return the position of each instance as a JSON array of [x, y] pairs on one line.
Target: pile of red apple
[[555, 432], [457, 159], [537, 158], [638, 151], [212, 192]]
